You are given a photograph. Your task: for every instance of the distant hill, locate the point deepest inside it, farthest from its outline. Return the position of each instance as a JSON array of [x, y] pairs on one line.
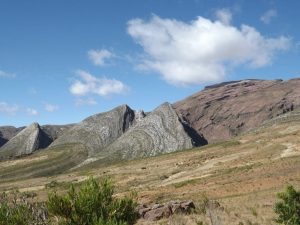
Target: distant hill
[[224, 110]]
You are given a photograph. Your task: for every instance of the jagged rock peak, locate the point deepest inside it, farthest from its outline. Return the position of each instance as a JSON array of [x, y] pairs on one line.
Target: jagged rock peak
[[100, 130], [159, 132], [25, 142], [139, 115], [8, 132]]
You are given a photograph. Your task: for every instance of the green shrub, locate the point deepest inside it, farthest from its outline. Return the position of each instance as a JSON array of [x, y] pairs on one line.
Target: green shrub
[[15, 209], [288, 208], [92, 204]]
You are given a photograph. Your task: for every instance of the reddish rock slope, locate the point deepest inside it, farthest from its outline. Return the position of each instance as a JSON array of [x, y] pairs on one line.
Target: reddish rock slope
[[224, 110]]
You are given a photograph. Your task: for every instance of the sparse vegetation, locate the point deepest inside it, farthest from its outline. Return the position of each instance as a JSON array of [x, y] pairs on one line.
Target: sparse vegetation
[[92, 204], [16, 209]]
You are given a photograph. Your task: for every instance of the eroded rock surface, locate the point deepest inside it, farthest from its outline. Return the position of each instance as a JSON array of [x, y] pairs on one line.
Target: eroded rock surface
[[25, 142], [100, 130], [55, 131], [160, 211], [227, 109], [161, 131], [8, 132]]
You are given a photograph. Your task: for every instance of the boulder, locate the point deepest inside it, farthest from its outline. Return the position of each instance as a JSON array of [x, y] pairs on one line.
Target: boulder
[[159, 211]]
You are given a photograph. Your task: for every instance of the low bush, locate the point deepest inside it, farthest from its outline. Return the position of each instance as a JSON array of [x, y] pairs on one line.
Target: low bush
[[92, 204], [15, 209], [288, 208]]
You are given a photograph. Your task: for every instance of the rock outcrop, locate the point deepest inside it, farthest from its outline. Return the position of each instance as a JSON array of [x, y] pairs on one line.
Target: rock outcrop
[[100, 130], [161, 131], [227, 109], [160, 211], [25, 142], [8, 132], [55, 131]]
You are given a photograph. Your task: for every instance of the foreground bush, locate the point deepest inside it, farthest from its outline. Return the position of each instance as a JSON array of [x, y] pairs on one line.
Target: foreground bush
[[92, 204], [288, 208]]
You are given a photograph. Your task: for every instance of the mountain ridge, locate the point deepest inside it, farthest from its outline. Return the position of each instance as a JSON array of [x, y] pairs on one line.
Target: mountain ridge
[[218, 112]]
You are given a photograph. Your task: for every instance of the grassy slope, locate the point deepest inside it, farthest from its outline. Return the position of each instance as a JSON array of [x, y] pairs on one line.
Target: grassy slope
[[243, 174]]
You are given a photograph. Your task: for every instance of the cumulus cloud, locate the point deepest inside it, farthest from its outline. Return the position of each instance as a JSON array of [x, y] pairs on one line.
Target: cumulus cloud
[[85, 101], [89, 84], [99, 57], [7, 75], [50, 107], [224, 15], [9, 109], [268, 16], [200, 51], [31, 111]]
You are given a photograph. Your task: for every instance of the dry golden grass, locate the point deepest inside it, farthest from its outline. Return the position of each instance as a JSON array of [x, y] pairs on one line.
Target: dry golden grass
[[243, 174]]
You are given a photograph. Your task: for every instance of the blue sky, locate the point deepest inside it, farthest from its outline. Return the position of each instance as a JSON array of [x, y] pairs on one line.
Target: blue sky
[[63, 60]]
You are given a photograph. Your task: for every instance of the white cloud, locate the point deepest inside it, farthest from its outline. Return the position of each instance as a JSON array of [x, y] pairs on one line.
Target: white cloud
[[200, 51], [89, 84], [268, 16], [31, 111], [7, 75], [224, 15], [50, 107], [9, 109], [88, 101], [98, 57]]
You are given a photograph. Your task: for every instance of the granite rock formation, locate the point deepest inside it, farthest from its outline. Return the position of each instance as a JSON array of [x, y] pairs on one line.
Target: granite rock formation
[[227, 109]]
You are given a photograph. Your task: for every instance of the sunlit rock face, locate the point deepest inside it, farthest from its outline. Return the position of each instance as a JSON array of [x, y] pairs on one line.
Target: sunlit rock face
[[25, 142], [161, 131], [222, 111], [100, 130]]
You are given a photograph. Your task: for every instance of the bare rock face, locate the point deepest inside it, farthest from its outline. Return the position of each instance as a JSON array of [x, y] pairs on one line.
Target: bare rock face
[[100, 130], [160, 211], [25, 142], [224, 110], [161, 131], [139, 115], [55, 131], [8, 132]]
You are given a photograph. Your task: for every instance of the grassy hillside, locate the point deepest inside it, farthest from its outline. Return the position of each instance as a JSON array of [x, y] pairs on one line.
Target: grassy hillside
[[243, 174]]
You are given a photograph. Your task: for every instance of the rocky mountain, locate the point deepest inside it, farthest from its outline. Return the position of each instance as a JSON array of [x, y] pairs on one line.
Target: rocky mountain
[[7, 132], [55, 131], [216, 113], [221, 111], [25, 142], [161, 131], [100, 130], [52, 131]]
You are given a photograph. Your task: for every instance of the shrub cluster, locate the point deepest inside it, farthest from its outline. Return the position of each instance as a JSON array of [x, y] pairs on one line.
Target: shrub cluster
[[92, 203]]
